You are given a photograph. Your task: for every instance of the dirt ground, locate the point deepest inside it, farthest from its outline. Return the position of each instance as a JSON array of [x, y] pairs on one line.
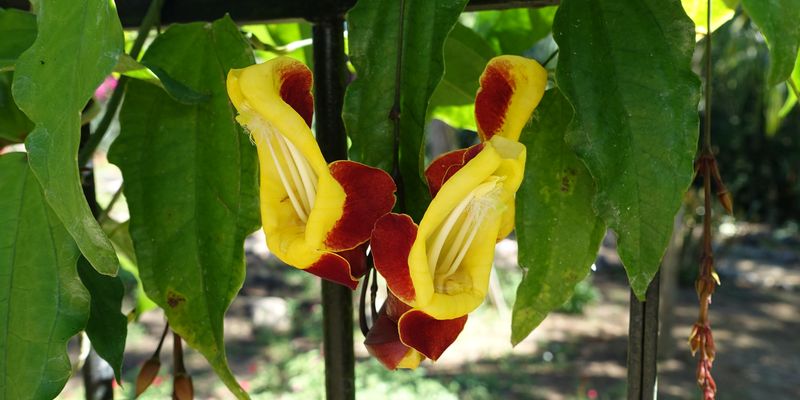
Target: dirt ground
[[755, 317]]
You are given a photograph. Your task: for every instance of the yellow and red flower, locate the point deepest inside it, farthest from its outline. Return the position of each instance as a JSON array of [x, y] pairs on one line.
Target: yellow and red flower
[[316, 216], [437, 272]]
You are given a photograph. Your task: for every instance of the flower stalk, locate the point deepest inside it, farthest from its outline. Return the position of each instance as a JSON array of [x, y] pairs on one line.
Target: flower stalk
[[701, 339]]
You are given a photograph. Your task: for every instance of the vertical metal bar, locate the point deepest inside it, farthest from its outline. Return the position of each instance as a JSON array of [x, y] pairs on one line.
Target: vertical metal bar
[[337, 301], [643, 344]]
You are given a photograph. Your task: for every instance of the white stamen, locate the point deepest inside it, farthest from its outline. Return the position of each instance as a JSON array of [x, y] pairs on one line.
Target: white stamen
[[461, 227], [307, 174], [460, 246], [295, 172], [298, 208], [444, 231]]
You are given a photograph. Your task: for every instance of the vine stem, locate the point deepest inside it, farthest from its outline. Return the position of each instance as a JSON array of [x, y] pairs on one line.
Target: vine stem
[[150, 19], [707, 106], [701, 338]]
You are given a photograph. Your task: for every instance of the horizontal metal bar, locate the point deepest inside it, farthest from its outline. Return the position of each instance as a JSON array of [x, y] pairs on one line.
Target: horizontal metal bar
[[131, 12]]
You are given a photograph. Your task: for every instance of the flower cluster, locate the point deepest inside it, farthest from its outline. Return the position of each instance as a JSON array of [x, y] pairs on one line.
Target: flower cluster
[[319, 217]]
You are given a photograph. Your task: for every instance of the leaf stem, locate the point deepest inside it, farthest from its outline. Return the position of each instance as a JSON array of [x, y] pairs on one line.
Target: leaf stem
[[793, 86], [707, 113], [151, 18]]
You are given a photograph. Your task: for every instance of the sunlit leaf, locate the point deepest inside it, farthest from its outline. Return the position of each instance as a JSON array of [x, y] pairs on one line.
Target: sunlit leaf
[[42, 301], [191, 184], [557, 229], [508, 31], [625, 66], [779, 21], [380, 58], [721, 12], [53, 81]]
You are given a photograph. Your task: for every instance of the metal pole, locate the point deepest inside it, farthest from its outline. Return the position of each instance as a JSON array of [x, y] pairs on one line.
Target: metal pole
[[337, 301], [643, 344]]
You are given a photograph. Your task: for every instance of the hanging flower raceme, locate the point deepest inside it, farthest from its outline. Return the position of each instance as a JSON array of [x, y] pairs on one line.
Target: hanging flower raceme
[[438, 271], [316, 216]]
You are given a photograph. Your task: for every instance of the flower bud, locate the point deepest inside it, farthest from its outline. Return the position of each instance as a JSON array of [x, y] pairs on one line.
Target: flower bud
[[147, 374], [182, 388]]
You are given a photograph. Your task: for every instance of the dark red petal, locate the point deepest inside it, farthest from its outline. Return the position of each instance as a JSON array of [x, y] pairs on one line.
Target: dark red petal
[[395, 308], [435, 172], [296, 82], [369, 195], [428, 335], [493, 99], [334, 268], [383, 341], [357, 258], [392, 238], [446, 165]]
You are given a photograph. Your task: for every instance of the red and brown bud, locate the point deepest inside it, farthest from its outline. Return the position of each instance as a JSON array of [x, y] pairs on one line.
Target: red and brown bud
[[725, 198], [182, 388], [147, 374]]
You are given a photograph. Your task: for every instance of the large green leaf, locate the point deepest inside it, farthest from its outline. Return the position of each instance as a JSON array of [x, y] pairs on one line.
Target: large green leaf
[[721, 12], [191, 184], [465, 56], [14, 125], [77, 46], [779, 21], [625, 67], [42, 301], [376, 51], [107, 327], [557, 229], [18, 30]]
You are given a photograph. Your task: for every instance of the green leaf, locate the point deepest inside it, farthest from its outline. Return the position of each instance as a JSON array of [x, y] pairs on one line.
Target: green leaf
[[107, 327], [42, 301], [14, 125], [508, 31], [18, 30], [557, 229], [121, 239], [376, 53], [541, 21], [465, 57], [191, 184], [625, 66], [779, 21], [77, 47], [131, 68], [722, 11]]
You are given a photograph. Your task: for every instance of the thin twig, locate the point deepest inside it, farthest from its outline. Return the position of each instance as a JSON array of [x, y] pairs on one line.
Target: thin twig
[[550, 58], [362, 303], [161, 341], [103, 216], [373, 294], [151, 18]]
